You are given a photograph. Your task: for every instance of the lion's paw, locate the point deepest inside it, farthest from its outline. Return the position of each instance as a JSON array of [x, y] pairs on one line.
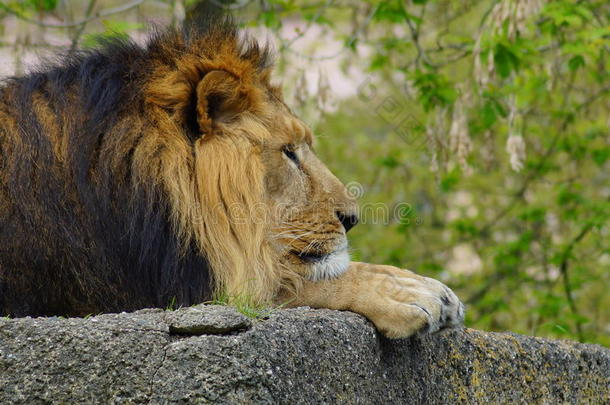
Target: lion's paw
[[446, 312], [401, 303]]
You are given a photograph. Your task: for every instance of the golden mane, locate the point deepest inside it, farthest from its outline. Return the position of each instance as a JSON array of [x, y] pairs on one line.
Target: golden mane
[[211, 203]]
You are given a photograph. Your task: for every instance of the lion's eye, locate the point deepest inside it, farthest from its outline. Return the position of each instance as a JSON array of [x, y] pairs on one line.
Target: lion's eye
[[291, 154]]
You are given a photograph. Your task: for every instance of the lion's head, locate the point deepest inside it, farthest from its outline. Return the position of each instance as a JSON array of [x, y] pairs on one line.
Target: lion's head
[[241, 170]]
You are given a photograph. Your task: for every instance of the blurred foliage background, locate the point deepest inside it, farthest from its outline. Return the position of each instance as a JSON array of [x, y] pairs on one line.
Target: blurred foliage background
[[474, 132]]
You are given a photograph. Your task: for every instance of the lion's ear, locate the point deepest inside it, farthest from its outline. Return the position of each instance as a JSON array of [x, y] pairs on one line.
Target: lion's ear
[[220, 97]]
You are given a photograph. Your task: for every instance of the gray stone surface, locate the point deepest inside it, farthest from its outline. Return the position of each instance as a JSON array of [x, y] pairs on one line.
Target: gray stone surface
[[204, 319], [295, 356]]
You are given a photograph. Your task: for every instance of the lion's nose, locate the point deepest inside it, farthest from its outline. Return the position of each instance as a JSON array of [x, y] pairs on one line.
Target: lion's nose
[[347, 220]]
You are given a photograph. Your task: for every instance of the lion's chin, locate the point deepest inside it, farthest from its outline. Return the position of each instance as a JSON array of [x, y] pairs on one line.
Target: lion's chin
[[330, 266]]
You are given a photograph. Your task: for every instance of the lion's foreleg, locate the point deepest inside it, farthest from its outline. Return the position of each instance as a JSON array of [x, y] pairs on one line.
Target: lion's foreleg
[[399, 302]]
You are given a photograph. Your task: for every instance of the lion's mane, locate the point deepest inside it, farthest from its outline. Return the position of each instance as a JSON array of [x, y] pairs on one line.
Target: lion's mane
[[109, 198]]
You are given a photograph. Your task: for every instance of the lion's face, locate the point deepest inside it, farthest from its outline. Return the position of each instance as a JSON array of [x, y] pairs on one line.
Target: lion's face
[[312, 210], [307, 210]]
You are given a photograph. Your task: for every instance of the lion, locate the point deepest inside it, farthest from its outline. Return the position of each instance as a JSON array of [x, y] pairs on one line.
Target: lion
[[131, 176]]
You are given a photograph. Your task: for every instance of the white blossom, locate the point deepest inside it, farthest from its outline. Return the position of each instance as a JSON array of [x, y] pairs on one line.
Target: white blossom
[[515, 146], [459, 137]]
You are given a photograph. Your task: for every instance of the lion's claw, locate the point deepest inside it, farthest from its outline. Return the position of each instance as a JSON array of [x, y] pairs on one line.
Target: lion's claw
[[451, 310]]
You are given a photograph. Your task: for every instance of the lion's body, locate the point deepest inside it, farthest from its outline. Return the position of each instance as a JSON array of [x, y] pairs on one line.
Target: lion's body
[[77, 234], [135, 177]]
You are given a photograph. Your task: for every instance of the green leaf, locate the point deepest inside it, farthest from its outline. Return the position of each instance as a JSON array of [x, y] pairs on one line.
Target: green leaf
[[488, 115], [271, 19], [449, 181], [433, 89], [567, 196], [120, 27], [465, 227], [317, 18], [600, 156], [505, 60], [388, 161], [378, 62], [93, 40], [42, 5], [430, 267], [351, 43], [533, 214], [576, 62], [393, 11]]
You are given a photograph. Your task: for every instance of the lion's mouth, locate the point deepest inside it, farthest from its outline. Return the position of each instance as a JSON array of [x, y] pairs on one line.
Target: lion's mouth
[[310, 257], [324, 265]]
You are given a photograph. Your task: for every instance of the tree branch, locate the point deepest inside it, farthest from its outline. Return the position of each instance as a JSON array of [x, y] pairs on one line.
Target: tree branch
[[567, 287], [99, 14], [80, 29], [414, 30]]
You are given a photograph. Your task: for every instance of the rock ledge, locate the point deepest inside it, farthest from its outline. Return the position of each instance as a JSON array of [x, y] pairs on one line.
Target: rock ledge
[[294, 356]]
